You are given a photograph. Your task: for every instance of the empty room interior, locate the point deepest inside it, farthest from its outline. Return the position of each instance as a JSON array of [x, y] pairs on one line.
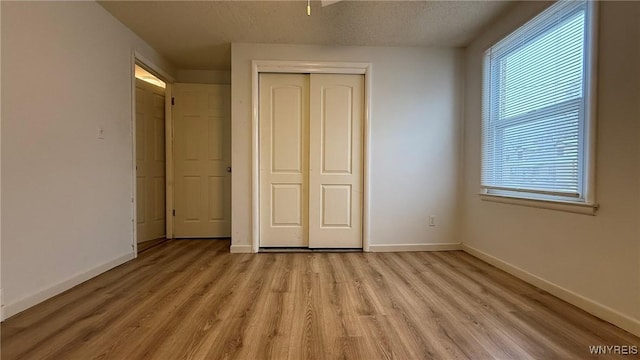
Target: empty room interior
[[332, 179]]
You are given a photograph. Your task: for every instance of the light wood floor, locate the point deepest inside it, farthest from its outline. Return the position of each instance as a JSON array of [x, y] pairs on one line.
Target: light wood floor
[[191, 299], [146, 245]]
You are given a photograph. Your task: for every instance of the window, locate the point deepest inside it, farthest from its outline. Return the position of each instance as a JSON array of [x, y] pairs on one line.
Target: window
[[536, 124]]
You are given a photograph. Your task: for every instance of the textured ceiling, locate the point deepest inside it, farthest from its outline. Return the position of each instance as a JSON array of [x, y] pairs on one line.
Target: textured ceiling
[[198, 34]]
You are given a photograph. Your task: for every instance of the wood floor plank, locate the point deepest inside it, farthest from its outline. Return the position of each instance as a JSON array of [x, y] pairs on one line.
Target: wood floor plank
[[407, 313], [192, 299], [77, 322], [439, 317], [46, 312], [491, 312], [143, 313], [158, 326]]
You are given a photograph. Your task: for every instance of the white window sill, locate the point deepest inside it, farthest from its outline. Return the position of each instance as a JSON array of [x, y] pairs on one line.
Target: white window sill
[[573, 207]]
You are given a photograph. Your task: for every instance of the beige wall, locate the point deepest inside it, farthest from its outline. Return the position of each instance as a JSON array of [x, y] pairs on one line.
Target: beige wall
[[592, 260], [66, 195], [415, 126], [222, 77]]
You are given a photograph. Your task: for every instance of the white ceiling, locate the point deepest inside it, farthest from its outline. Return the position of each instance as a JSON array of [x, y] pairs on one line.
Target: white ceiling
[[198, 34]]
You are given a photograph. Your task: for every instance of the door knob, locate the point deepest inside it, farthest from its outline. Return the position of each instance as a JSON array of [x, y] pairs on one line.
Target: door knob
[[228, 169]]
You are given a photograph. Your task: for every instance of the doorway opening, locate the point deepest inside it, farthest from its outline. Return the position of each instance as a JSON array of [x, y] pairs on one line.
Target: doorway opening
[[201, 161], [149, 157]]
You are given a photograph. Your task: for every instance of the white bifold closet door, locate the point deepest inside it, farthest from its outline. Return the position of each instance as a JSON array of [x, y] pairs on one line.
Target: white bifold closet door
[[311, 168]]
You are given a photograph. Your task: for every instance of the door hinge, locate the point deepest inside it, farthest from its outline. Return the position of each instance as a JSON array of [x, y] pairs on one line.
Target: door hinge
[[173, 100], [174, 212]]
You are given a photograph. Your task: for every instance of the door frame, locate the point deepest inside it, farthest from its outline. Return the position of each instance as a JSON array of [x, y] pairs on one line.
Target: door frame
[[307, 67], [141, 60]]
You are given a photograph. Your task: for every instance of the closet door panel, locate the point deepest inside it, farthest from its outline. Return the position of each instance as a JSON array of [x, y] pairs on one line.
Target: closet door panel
[[284, 160], [336, 166]]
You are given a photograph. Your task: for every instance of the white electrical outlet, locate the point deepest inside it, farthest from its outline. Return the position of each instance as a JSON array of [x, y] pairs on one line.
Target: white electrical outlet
[[100, 133], [432, 220]]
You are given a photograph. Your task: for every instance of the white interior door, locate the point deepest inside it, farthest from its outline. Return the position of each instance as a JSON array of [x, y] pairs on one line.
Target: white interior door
[[202, 153], [336, 167], [150, 161], [284, 159]]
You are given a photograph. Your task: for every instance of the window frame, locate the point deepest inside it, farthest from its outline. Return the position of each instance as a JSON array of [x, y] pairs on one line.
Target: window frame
[[586, 203]]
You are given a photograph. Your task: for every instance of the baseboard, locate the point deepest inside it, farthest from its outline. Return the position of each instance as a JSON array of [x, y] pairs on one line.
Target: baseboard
[[241, 249], [415, 247], [42, 295], [603, 312]]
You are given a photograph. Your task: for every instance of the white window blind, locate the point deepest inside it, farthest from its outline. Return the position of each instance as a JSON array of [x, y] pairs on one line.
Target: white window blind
[[534, 107]]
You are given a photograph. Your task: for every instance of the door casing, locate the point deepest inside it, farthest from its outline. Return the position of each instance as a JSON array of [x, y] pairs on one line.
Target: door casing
[[307, 67]]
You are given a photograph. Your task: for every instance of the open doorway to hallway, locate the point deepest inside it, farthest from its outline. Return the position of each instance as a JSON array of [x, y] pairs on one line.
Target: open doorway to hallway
[[150, 158]]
